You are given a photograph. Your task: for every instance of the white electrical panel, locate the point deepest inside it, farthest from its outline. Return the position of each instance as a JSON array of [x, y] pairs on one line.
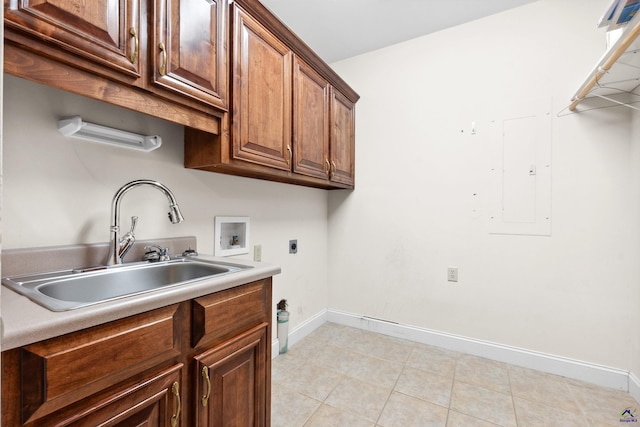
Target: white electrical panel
[[521, 171]]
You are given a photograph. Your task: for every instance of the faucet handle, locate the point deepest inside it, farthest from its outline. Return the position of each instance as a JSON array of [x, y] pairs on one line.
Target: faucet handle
[[156, 253], [190, 252], [128, 239], [134, 222]]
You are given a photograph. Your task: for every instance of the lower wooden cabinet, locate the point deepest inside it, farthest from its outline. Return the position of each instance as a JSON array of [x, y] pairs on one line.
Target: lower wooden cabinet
[[145, 369]]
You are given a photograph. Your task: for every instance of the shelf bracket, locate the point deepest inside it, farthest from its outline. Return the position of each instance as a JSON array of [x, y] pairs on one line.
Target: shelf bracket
[[625, 104]]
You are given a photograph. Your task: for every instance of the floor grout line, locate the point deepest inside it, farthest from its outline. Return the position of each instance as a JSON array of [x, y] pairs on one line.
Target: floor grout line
[[391, 393], [513, 399], [496, 378]]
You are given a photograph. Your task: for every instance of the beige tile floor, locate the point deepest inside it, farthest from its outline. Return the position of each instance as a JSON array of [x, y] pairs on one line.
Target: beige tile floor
[[345, 377]]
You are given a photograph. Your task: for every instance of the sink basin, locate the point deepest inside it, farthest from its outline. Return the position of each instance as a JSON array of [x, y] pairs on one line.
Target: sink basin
[[66, 290]]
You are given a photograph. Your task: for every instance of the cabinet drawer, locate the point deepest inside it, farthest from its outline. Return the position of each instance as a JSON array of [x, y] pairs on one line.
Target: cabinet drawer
[[66, 369], [154, 400], [220, 316]]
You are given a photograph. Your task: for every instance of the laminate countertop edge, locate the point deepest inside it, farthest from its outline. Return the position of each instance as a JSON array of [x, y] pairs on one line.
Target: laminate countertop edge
[[25, 322]]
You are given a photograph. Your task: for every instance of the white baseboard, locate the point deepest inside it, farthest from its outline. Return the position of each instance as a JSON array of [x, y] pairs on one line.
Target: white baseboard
[[570, 368], [301, 331], [589, 372], [634, 386]]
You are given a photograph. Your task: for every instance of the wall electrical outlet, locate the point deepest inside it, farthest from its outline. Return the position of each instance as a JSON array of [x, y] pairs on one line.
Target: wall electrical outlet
[[257, 253], [452, 274], [293, 246]]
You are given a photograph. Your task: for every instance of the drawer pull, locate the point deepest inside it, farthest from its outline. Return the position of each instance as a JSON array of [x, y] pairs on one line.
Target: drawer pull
[[205, 375], [163, 66], [136, 45], [175, 389]]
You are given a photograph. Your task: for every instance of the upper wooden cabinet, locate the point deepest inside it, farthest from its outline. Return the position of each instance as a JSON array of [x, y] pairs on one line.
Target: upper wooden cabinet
[[188, 49], [311, 121], [166, 58], [255, 100], [261, 95], [291, 117], [342, 139], [323, 128], [106, 32]]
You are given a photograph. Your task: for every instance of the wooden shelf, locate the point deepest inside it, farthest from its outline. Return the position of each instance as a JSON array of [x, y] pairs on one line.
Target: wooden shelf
[[617, 73]]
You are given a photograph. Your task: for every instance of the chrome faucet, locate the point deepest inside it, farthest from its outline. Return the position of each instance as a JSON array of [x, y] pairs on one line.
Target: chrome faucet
[[119, 247]]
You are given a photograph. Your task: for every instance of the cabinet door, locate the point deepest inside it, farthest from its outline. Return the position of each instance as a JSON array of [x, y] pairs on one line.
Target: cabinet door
[[189, 55], [232, 381], [106, 32], [310, 121], [261, 95], [342, 139]]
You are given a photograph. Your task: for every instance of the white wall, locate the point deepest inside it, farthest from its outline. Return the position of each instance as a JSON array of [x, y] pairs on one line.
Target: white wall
[[413, 213], [634, 294], [58, 191], [387, 244]]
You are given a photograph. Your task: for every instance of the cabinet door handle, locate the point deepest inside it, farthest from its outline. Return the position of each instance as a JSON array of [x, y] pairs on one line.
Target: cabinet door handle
[[328, 167], [290, 155], [163, 66], [175, 389], [136, 45], [205, 375], [333, 167]]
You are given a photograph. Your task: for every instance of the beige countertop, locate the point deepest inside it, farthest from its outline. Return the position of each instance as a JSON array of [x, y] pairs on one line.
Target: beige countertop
[[25, 322]]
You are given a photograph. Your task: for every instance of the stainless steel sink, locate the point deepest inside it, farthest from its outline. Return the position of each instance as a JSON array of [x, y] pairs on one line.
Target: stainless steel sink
[[66, 290]]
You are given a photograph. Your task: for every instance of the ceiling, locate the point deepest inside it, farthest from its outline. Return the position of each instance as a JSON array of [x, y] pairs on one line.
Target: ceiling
[[339, 29]]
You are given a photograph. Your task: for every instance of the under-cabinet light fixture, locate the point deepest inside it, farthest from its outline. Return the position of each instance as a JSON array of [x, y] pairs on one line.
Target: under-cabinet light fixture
[[74, 127]]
